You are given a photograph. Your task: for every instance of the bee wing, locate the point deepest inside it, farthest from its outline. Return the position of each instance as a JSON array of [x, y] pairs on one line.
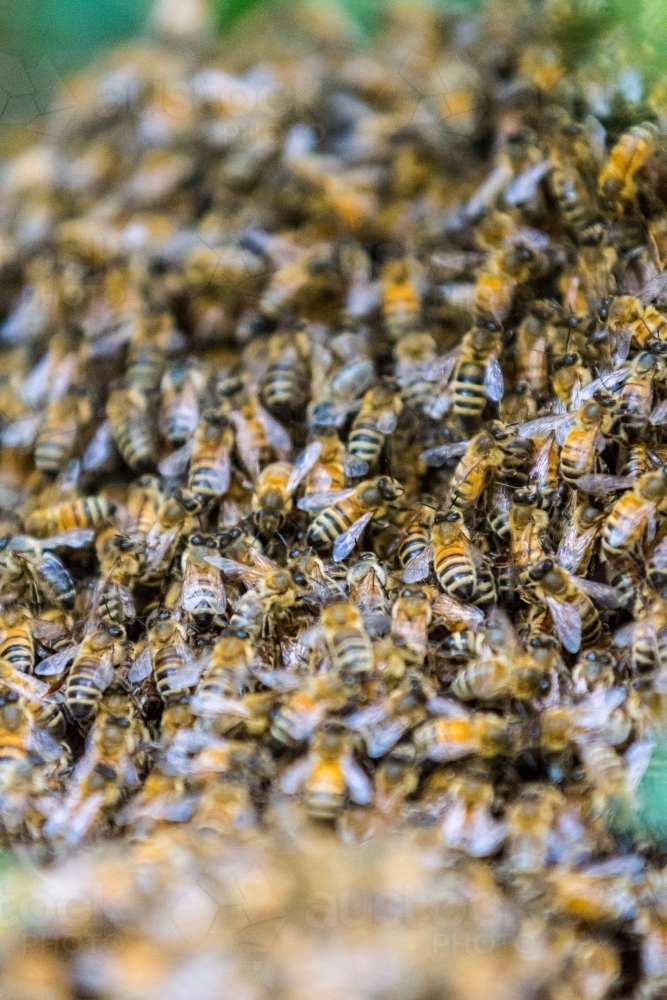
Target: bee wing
[[412, 629], [314, 503], [358, 784], [44, 745], [103, 675], [29, 687], [248, 574], [494, 385], [56, 664], [637, 759], [176, 464], [22, 432], [142, 666], [353, 379], [158, 543], [278, 680], [216, 704], [419, 566], [543, 426], [454, 614], [609, 380], [245, 443], [659, 414], [601, 593], [598, 485], [386, 423], [622, 342], [354, 467], [438, 405], [447, 708], [524, 187], [294, 777], [573, 546], [439, 455], [192, 591], [76, 538], [540, 467], [276, 434], [304, 463], [100, 448], [346, 542], [42, 629], [567, 623]]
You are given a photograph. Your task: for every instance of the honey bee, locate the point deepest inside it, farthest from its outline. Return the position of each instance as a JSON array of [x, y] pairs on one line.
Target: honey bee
[[226, 674], [272, 499], [377, 418], [57, 436], [307, 703], [342, 629], [22, 744], [401, 298], [582, 435], [628, 516], [328, 774], [415, 355], [203, 594], [85, 514], [571, 195], [367, 580], [108, 768], [121, 561], [636, 398], [174, 519], [181, 387], [18, 646], [169, 658], [92, 670], [579, 539], [284, 388], [344, 516], [131, 428], [597, 718], [386, 720], [415, 534], [619, 180], [503, 669], [479, 457], [144, 499], [25, 559], [477, 376], [334, 466], [457, 733], [272, 592], [568, 599], [528, 526], [647, 638], [594, 668], [544, 472], [411, 616], [259, 436]]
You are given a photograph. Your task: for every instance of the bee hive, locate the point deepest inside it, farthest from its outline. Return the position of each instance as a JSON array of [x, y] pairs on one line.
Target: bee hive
[[333, 619]]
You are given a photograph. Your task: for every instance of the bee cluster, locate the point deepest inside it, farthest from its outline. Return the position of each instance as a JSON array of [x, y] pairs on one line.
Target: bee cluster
[[333, 471]]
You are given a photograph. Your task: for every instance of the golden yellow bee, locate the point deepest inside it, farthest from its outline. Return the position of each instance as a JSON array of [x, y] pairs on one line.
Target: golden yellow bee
[[328, 775], [344, 516]]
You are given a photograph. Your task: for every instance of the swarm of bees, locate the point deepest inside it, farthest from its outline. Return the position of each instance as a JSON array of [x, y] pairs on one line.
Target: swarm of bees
[[333, 477]]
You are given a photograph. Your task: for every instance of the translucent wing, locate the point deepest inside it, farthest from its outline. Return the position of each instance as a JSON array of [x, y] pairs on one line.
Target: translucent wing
[[610, 381], [598, 485], [494, 385], [542, 462], [601, 593], [22, 433], [250, 575], [659, 414], [100, 448], [103, 674], [44, 745], [202, 590], [36, 383], [439, 455], [304, 463], [261, 561], [386, 423], [544, 426], [276, 434], [567, 623], [454, 614], [142, 666], [314, 503], [56, 664], [76, 538], [158, 543], [294, 777], [176, 464], [358, 784], [29, 687], [419, 566], [353, 379], [245, 443], [346, 542], [216, 704], [354, 466], [574, 545], [524, 187], [278, 680]]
